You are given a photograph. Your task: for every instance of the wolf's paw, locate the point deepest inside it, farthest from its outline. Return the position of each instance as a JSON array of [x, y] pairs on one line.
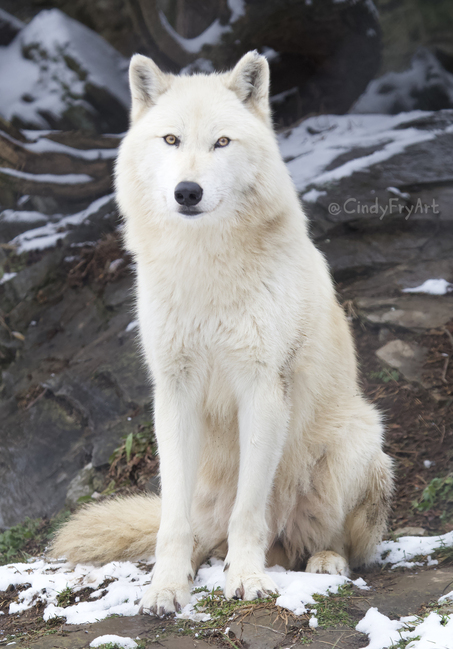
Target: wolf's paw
[[161, 601], [248, 587], [328, 562]]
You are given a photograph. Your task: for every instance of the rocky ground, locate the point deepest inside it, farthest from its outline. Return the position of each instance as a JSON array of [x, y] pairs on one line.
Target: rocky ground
[[74, 388]]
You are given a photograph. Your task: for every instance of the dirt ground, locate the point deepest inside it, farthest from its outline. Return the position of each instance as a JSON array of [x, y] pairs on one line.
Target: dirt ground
[[418, 427]]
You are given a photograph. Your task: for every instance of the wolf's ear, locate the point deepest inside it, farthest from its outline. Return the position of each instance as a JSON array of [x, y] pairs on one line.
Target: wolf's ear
[[147, 82], [250, 81]]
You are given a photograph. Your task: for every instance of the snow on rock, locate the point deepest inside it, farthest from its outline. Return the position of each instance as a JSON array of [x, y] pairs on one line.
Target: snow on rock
[[41, 144], [117, 640], [22, 216], [6, 277], [313, 195], [202, 65], [432, 287], [49, 234], [210, 36], [59, 179], [426, 85], [56, 70], [313, 146]]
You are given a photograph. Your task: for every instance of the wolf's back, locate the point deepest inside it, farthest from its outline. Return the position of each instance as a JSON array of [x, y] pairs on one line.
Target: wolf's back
[[120, 529]]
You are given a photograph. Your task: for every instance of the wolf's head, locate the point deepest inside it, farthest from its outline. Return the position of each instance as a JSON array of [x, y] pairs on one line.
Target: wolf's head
[[200, 148]]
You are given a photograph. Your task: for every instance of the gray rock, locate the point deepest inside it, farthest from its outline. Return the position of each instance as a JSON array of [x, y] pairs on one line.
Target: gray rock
[[77, 387], [10, 26], [120, 295], [413, 312], [43, 447], [81, 485], [425, 86], [14, 222], [28, 280], [406, 357], [393, 280], [409, 531]]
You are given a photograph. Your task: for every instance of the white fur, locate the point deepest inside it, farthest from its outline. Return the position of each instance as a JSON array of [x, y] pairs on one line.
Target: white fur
[[267, 447]]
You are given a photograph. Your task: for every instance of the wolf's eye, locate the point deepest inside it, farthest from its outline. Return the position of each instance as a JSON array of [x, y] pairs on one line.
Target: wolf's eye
[[222, 141], [171, 139]]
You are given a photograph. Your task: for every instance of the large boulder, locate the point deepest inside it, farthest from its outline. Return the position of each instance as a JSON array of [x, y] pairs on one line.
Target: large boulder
[[57, 73], [10, 26], [322, 54], [426, 85], [58, 172]]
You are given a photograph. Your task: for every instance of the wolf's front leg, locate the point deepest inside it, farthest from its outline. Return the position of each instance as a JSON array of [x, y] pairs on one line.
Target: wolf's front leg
[[178, 425], [264, 413]]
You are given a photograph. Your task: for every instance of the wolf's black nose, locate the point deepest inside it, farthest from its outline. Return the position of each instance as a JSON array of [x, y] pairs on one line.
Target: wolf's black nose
[[188, 194]]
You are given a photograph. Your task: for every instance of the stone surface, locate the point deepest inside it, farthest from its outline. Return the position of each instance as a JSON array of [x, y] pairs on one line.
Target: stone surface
[[75, 386], [144, 627], [260, 630], [341, 45], [82, 485], [409, 531], [406, 357], [412, 312], [407, 592]]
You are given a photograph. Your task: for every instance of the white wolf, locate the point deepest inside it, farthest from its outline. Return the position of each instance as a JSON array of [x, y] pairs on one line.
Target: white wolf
[[268, 451]]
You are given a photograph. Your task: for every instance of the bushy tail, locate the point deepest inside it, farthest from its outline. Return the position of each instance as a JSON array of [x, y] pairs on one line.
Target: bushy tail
[[120, 529], [367, 524]]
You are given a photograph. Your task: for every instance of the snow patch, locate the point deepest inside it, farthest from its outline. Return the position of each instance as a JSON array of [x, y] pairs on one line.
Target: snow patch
[[22, 216], [132, 325], [382, 631], [407, 548], [59, 179], [128, 582], [313, 195], [432, 287], [119, 641], [6, 277], [434, 631]]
